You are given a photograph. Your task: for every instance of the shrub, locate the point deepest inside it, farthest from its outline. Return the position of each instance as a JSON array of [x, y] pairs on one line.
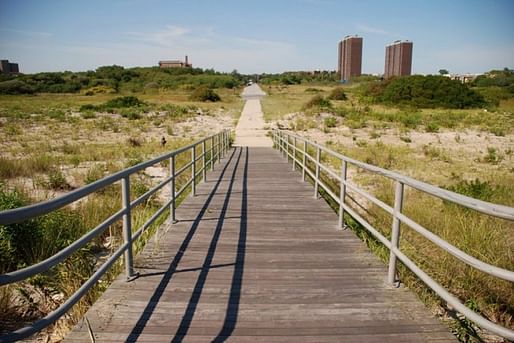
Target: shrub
[[338, 94], [57, 181], [123, 102], [100, 89], [204, 94], [15, 87], [88, 114], [330, 122], [431, 127], [318, 101], [426, 91], [477, 189], [130, 113]]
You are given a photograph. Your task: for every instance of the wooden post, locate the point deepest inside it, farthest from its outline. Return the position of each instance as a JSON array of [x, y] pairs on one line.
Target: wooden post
[[395, 232]]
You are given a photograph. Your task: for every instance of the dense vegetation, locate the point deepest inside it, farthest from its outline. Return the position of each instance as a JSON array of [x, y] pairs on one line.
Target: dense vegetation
[[117, 79], [299, 77], [425, 92]]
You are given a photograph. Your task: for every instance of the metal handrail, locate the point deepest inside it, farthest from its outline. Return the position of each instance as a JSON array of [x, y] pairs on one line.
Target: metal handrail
[[282, 142], [219, 144]]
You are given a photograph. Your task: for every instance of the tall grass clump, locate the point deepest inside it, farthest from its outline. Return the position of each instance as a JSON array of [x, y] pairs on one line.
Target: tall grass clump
[[318, 102]]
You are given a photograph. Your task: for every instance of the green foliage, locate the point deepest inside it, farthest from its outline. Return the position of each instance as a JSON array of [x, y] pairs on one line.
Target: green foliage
[[114, 79], [123, 102], [330, 122], [30, 241], [131, 113], [57, 181], [299, 77], [130, 106], [338, 94], [477, 189], [492, 156], [319, 102], [204, 94], [496, 78], [425, 92], [431, 127], [313, 90], [15, 87]]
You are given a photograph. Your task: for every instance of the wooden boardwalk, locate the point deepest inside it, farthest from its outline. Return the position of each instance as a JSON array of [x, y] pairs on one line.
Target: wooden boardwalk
[[255, 258]]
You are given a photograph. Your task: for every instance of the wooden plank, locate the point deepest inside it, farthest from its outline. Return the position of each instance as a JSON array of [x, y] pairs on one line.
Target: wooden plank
[[255, 257]]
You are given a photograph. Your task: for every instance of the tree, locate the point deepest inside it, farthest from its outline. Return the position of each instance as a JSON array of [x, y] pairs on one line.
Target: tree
[[443, 72]]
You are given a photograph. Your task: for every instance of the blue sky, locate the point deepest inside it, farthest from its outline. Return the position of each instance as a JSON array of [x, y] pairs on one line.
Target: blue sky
[[254, 36]]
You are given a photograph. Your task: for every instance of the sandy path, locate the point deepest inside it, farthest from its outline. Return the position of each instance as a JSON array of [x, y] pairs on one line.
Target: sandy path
[[250, 128]]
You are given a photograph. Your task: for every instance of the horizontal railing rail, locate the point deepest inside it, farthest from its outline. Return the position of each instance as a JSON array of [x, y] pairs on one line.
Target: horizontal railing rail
[[213, 148], [288, 144]]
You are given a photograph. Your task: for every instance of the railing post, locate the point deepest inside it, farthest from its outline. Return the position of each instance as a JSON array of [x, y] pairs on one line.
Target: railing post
[[222, 143], [316, 182], [127, 227], [294, 153], [217, 148], [304, 160], [204, 164], [227, 146], [172, 189], [283, 144], [193, 171], [212, 153], [342, 193], [395, 232]]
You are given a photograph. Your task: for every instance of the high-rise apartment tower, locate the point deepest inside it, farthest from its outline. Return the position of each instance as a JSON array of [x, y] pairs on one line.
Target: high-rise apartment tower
[[349, 62], [398, 59]]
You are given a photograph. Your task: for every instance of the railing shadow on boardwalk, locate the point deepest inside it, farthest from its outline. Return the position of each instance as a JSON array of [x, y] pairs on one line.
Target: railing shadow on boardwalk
[[235, 291]]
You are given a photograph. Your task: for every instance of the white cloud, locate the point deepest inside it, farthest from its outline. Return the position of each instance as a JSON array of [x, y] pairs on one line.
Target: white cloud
[[35, 34], [163, 37], [373, 30]]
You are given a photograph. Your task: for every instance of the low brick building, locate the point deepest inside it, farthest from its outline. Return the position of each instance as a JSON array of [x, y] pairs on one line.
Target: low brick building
[[175, 64]]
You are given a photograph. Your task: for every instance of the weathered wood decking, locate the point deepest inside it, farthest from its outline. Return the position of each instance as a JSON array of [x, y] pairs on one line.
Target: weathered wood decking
[[255, 258]]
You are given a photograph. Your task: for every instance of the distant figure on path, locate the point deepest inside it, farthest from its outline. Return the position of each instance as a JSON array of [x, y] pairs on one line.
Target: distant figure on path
[[163, 141]]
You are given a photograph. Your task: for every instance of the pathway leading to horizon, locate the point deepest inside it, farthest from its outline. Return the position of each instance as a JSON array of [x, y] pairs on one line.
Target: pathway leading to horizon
[[250, 128]]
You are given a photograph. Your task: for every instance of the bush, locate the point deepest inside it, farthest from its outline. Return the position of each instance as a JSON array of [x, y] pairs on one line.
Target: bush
[[123, 102], [130, 113], [318, 101], [204, 94], [426, 91], [477, 189], [330, 122], [15, 87], [100, 89], [30, 241], [432, 127], [338, 94]]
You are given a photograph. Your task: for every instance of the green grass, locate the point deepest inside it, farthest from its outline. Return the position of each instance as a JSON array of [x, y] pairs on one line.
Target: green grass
[[357, 113]]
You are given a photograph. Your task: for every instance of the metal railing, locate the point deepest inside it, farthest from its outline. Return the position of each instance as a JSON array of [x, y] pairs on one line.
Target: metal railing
[[288, 144], [219, 144]]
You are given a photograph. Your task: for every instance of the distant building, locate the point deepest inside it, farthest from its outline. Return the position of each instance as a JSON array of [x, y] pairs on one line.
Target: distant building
[[464, 78], [398, 59], [175, 64], [349, 55], [8, 68]]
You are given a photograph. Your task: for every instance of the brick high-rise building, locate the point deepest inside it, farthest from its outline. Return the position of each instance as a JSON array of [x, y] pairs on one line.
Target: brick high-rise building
[[398, 59], [349, 62]]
